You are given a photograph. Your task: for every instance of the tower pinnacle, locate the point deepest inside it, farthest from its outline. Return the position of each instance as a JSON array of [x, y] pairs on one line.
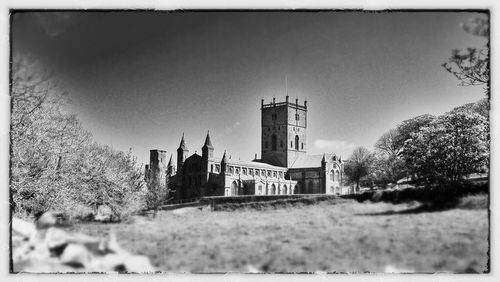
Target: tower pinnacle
[[208, 142], [183, 143]]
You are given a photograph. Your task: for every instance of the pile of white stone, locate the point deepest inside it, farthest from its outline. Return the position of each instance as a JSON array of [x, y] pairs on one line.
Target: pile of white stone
[[43, 248]]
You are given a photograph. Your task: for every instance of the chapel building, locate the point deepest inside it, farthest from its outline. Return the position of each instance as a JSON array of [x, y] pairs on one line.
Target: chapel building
[[284, 167]]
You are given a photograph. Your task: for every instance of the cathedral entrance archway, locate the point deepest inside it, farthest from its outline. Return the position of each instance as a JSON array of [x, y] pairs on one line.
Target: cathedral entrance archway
[[297, 189], [234, 188]]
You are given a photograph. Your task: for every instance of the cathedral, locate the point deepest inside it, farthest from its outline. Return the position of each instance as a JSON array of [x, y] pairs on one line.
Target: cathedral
[[284, 167]]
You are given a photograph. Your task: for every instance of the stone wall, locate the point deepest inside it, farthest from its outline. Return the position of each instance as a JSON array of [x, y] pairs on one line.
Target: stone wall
[[41, 247]]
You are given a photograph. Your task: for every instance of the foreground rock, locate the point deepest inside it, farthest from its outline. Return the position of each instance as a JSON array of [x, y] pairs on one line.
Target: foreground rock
[[41, 247]]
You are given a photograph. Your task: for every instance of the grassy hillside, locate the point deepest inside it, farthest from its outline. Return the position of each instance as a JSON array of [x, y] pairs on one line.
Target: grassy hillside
[[342, 237]]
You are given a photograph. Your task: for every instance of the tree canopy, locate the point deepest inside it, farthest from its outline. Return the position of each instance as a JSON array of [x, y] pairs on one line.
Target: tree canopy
[[359, 165], [55, 163], [449, 148]]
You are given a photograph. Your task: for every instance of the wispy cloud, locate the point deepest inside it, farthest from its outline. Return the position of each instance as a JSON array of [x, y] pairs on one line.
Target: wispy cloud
[[235, 125], [54, 23], [334, 145]]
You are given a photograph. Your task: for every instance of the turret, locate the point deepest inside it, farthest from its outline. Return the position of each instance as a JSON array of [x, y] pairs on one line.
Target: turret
[[223, 163], [170, 166], [207, 156], [207, 149], [182, 154], [323, 162]]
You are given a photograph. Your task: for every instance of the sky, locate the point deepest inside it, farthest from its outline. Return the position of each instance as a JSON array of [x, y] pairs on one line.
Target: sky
[[141, 79]]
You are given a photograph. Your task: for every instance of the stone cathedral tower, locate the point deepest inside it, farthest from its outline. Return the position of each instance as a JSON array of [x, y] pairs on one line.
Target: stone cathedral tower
[[284, 128]]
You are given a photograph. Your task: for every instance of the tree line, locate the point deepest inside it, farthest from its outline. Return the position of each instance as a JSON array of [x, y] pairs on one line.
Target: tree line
[[427, 149], [435, 150]]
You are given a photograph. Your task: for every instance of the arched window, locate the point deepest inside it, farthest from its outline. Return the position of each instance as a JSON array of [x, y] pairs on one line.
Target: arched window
[[332, 175], [310, 187], [337, 176], [285, 189], [273, 189], [273, 142], [296, 142]]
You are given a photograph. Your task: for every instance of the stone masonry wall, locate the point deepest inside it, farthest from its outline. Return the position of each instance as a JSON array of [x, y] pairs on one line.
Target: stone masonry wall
[[44, 248]]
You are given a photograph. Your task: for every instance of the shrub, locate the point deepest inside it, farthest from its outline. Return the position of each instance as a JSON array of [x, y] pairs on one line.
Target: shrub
[[471, 202], [377, 196]]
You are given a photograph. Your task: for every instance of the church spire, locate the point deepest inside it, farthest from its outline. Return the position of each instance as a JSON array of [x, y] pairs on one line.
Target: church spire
[[323, 160], [224, 157], [223, 163], [170, 161], [207, 149], [208, 142], [170, 166], [183, 143], [182, 154]]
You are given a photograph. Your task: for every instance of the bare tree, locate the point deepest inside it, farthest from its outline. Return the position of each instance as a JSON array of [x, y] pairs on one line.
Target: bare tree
[[360, 164], [55, 164], [387, 145], [471, 66]]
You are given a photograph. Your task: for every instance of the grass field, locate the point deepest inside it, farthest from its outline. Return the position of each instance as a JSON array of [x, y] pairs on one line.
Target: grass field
[[342, 237]]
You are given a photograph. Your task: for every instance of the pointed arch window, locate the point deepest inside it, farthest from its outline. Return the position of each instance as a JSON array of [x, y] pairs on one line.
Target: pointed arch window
[[296, 142]]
